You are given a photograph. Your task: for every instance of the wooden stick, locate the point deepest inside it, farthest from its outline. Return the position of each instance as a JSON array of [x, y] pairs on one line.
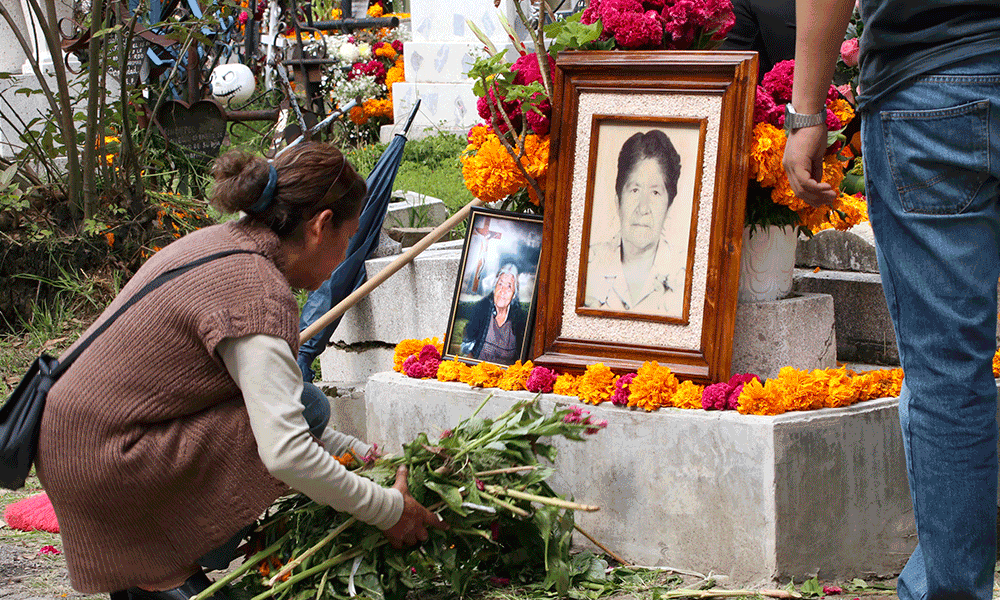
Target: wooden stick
[[400, 262], [496, 489], [606, 550], [298, 560]]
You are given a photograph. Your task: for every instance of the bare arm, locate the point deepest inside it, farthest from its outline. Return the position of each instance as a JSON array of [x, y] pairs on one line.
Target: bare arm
[[820, 30]]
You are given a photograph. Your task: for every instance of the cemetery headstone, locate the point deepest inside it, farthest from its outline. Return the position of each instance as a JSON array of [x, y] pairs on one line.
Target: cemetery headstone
[[198, 128]]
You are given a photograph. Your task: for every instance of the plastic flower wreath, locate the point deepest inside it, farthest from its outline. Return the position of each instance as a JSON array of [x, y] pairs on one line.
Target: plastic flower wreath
[[770, 199]]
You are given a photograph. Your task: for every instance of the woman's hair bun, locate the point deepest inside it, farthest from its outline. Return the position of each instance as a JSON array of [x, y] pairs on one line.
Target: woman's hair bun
[[240, 177]]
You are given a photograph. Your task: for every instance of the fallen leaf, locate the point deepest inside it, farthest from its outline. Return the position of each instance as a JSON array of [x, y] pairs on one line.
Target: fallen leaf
[[52, 343]]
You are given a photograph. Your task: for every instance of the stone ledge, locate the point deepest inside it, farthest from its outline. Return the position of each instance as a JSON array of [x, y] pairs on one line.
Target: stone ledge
[[749, 497]]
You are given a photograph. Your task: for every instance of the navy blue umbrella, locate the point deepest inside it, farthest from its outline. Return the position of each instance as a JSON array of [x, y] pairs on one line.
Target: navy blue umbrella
[[350, 274]]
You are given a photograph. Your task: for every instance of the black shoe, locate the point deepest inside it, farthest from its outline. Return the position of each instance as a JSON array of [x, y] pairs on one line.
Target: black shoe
[[195, 584]]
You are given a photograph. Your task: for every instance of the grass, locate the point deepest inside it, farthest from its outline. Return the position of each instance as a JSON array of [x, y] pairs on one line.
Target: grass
[[430, 166]]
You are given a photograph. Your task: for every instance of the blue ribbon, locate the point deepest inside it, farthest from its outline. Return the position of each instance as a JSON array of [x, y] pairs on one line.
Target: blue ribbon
[[267, 196]]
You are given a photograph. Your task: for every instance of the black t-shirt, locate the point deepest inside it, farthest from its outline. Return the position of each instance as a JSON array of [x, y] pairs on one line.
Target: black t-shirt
[[767, 26], [903, 39]]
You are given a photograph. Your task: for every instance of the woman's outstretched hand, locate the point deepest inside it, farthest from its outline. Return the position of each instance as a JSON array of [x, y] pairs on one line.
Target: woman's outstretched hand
[[412, 525]]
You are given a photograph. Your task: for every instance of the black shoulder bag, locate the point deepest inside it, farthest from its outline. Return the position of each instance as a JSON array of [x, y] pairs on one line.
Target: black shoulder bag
[[21, 414]]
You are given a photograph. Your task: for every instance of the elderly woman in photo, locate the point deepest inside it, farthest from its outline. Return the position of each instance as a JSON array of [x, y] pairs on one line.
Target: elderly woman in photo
[[638, 270], [496, 326]]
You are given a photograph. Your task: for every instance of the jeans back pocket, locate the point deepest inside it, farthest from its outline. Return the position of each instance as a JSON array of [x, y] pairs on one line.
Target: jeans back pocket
[[939, 158]]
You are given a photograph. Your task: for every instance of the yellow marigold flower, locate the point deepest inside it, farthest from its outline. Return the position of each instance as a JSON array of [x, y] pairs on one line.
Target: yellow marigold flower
[[375, 10], [597, 384], [477, 135], [841, 390], [385, 50], [766, 151], [335, 14], [996, 364], [453, 370], [565, 385], [688, 395], [515, 377], [407, 348], [485, 375], [378, 107], [885, 383], [394, 75], [653, 387]]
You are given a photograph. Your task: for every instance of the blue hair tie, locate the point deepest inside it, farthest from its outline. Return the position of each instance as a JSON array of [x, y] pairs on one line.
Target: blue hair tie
[[267, 196]]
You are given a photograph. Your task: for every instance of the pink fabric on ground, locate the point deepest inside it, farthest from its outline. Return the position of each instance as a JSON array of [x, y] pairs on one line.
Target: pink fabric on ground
[[32, 513]]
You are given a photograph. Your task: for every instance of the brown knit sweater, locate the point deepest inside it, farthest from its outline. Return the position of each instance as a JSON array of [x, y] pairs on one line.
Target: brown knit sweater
[[146, 450]]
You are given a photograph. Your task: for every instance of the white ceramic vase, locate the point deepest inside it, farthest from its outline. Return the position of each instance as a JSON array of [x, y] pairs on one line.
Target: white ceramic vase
[[766, 263]]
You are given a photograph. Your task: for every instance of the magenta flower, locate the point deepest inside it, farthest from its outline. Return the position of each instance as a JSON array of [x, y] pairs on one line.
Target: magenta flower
[[539, 117], [639, 30], [713, 397], [595, 425], [575, 415], [763, 106], [832, 121], [397, 45], [424, 365], [622, 391], [832, 590], [526, 69], [541, 380], [778, 81], [243, 18], [49, 550]]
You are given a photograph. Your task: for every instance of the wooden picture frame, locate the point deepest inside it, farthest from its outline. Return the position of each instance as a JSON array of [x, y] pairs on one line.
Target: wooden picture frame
[[499, 264], [620, 298]]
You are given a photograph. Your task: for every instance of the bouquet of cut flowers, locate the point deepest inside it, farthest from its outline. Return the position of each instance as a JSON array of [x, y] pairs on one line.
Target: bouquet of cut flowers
[[487, 478], [662, 24], [770, 199]]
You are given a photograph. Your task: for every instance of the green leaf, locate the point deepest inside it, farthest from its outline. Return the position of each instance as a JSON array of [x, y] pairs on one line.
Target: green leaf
[[449, 494], [811, 587]]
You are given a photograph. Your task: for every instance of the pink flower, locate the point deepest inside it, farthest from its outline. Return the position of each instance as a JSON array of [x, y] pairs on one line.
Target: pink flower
[[49, 550], [375, 68], [424, 365], [846, 91], [849, 51], [480, 486], [737, 381], [763, 106], [832, 590], [639, 30], [778, 81], [595, 425], [527, 70], [620, 397], [397, 45], [575, 415], [539, 117], [832, 121], [446, 434], [243, 18], [512, 109], [713, 397], [540, 379]]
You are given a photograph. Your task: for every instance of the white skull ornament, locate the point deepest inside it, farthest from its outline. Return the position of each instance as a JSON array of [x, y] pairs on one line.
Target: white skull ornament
[[232, 83]]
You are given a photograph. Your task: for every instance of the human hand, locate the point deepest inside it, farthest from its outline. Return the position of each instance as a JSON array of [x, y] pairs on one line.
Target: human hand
[[803, 163], [413, 523]]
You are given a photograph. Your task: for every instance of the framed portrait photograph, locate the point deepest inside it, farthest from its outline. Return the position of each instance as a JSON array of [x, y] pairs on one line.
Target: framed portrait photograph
[[493, 308], [640, 217], [645, 202]]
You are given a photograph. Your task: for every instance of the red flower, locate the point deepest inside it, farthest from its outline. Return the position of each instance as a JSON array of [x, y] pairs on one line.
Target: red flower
[[620, 397], [639, 30], [778, 81], [832, 590], [540, 379], [397, 45], [540, 119]]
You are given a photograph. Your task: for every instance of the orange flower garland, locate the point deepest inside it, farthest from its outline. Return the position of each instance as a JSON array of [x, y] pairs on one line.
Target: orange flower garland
[[596, 385], [515, 377], [654, 385], [453, 370], [407, 348]]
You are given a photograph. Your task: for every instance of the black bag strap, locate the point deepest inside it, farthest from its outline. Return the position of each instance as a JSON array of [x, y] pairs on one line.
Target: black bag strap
[[149, 287]]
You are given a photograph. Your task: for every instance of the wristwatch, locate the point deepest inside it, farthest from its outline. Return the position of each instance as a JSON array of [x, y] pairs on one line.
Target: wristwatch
[[794, 120]]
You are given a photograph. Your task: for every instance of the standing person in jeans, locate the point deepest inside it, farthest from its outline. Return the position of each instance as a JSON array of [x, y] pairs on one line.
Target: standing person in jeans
[[930, 105]]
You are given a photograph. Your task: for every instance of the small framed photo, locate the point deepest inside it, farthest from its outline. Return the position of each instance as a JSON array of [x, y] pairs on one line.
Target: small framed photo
[[645, 202], [493, 308]]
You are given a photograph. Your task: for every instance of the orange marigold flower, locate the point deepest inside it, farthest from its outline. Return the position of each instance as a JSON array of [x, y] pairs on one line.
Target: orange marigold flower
[[996, 364], [357, 115], [385, 50], [597, 384], [375, 10], [110, 236], [757, 398], [485, 375], [515, 376], [407, 348], [843, 109], [841, 390], [565, 385], [654, 385], [453, 370], [688, 395], [378, 107], [347, 458]]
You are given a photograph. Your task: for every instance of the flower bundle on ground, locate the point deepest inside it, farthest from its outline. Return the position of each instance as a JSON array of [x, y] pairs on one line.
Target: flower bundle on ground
[[770, 199], [485, 477], [654, 386]]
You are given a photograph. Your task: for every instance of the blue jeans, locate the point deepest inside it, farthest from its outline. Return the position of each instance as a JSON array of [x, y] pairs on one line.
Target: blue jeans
[[317, 414], [932, 165]]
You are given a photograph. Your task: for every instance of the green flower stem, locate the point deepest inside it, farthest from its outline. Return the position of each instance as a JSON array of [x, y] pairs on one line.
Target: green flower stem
[[483, 534], [247, 565], [321, 567], [496, 489], [505, 471], [298, 560]]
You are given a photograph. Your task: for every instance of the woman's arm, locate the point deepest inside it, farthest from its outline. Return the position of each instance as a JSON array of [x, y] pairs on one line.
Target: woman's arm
[[266, 372]]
